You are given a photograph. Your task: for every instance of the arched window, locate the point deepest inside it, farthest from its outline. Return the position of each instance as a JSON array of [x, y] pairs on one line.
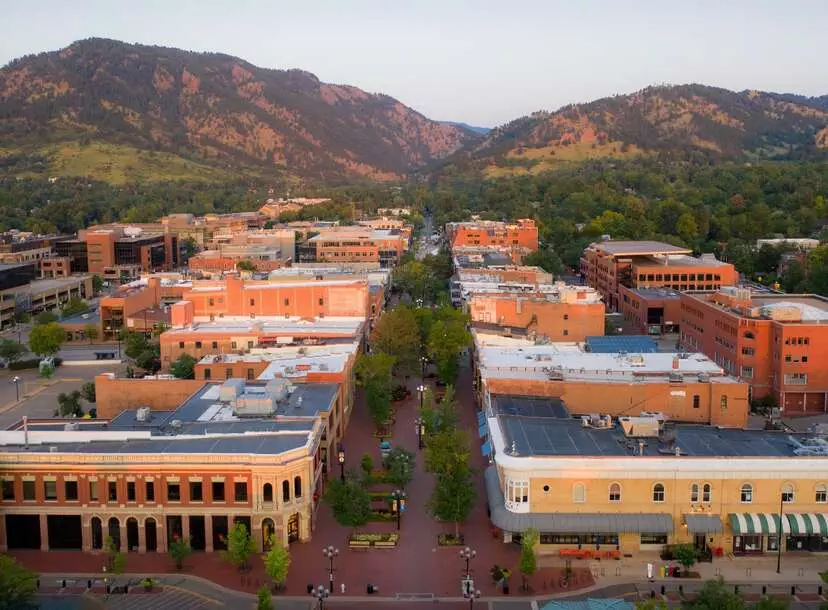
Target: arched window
[[658, 492], [694, 492], [747, 493], [267, 493], [821, 494], [706, 489], [749, 335], [285, 491], [615, 492], [268, 533], [297, 487], [97, 533], [787, 493], [579, 493]]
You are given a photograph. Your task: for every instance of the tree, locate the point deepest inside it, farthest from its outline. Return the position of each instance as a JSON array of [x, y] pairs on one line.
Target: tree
[[685, 554], [277, 563], [69, 404], [367, 464], [91, 332], [87, 391], [528, 560], [179, 551], [447, 338], [246, 265], [10, 350], [149, 360], [46, 339], [18, 586], [714, 595], [373, 372], [240, 546], [349, 501], [398, 334], [183, 367], [135, 343], [546, 259], [400, 465], [453, 497], [769, 603], [115, 559], [45, 317], [264, 600], [97, 283], [74, 306], [446, 451]]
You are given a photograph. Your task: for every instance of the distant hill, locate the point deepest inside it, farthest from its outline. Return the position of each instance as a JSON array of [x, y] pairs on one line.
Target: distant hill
[[686, 119], [481, 130], [207, 110]]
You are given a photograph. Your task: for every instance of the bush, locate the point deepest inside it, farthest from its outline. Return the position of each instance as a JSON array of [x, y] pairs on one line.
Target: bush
[[30, 363], [399, 392]]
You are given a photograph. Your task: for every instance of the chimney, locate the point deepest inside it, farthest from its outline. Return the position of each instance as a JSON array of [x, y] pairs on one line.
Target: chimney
[[675, 363], [26, 431]]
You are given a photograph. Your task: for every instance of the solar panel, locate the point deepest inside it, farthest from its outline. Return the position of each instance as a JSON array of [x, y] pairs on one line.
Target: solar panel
[[638, 344]]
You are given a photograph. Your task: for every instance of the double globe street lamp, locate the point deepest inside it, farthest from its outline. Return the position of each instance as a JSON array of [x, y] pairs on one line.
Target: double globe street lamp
[[320, 593], [468, 554], [331, 553], [399, 497]]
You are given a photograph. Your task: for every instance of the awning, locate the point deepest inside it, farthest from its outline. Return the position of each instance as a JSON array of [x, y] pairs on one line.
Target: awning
[[481, 418], [703, 524], [486, 448], [570, 523], [483, 431], [804, 524], [758, 523]]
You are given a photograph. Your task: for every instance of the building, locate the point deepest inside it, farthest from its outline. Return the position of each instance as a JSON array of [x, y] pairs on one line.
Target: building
[[273, 208], [201, 229], [41, 295], [23, 247], [479, 258], [235, 452], [55, 266], [607, 488], [135, 307], [116, 250], [650, 311], [353, 244], [520, 237], [683, 387], [262, 258], [777, 343], [493, 276], [798, 243], [562, 313], [608, 265]]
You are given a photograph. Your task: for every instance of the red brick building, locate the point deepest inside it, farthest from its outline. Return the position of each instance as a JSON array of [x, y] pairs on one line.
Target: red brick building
[[521, 236], [651, 311]]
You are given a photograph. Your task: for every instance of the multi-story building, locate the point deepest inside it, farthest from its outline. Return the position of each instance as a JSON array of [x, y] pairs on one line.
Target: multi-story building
[[273, 208], [114, 249], [201, 229], [683, 387], [55, 266], [520, 237], [602, 488], [135, 307], [777, 343], [35, 296], [262, 258], [235, 452], [22, 247], [650, 311], [608, 265], [353, 244], [482, 258]]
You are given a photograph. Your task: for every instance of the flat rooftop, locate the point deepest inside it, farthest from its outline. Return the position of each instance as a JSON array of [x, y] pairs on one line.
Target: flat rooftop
[[656, 293], [812, 308], [614, 344], [87, 317], [680, 260], [48, 285], [638, 248], [341, 326]]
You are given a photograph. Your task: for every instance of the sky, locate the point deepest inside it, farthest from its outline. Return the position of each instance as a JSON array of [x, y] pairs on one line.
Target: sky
[[483, 62]]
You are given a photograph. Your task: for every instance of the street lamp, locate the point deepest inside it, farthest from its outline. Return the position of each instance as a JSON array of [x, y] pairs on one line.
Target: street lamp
[[779, 534], [423, 363], [321, 594], [421, 389], [399, 497], [330, 552], [16, 381], [468, 554], [420, 424], [471, 595], [340, 455]]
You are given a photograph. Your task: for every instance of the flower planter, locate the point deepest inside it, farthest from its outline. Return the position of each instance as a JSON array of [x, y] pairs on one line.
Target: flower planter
[[450, 540]]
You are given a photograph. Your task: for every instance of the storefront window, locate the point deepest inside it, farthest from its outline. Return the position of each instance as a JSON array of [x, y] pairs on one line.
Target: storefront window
[[589, 539], [773, 543], [747, 544], [653, 538]]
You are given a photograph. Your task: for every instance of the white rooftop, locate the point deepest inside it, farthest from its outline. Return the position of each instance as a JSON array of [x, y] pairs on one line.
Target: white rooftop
[[212, 287], [293, 360], [809, 313], [348, 326]]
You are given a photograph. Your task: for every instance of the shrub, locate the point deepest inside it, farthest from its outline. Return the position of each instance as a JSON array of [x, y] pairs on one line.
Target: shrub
[[399, 392], [30, 363]]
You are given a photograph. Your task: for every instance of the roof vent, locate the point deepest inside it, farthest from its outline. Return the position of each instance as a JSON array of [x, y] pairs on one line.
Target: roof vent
[[675, 377], [53, 449], [704, 378], [144, 414], [299, 401]]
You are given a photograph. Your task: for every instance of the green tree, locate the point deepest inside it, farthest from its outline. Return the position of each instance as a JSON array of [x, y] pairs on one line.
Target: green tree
[[69, 404], [87, 391], [115, 559], [189, 245], [264, 600], [546, 259], [18, 586], [397, 334], [528, 560], [183, 367], [373, 372], [412, 278], [91, 332], [447, 339], [446, 451], [453, 497], [277, 563], [769, 603], [246, 265], [366, 464], [349, 501], [97, 283], [149, 361], [10, 351], [179, 551], [45, 317], [74, 306], [685, 554], [240, 546], [687, 228], [400, 466], [715, 595]]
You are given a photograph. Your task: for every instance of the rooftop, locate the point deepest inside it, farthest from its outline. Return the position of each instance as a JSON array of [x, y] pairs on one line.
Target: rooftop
[[656, 293], [87, 317], [294, 360], [789, 308], [613, 344], [680, 260], [342, 326], [47, 285], [638, 248]]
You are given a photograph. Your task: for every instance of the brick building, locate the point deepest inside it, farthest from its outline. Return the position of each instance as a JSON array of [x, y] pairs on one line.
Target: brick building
[[651, 311], [608, 265], [353, 244], [105, 250], [135, 307], [521, 237], [776, 343]]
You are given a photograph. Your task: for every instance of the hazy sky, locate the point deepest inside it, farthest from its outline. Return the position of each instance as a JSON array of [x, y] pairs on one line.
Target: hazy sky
[[480, 61]]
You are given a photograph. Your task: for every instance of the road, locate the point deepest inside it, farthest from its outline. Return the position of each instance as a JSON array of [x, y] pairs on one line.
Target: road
[[424, 245]]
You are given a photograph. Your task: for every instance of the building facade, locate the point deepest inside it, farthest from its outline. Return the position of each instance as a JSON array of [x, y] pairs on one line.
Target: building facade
[[651, 311]]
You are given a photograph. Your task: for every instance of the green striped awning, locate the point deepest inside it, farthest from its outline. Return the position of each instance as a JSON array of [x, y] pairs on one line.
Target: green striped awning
[[758, 523], [808, 523]]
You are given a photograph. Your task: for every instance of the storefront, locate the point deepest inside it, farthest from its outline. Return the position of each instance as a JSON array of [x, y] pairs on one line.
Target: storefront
[[808, 532], [756, 533], [702, 528]]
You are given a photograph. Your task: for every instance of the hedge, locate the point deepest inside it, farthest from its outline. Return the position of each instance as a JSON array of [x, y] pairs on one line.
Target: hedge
[[30, 363]]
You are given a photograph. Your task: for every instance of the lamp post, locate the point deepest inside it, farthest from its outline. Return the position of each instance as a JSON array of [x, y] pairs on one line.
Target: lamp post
[[330, 552], [779, 535], [399, 496], [423, 363], [16, 381], [320, 593], [420, 423], [340, 456], [468, 554], [471, 594]]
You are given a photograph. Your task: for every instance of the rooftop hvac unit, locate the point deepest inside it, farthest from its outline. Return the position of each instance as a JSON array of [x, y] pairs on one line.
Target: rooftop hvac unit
[[704, 378], [144, 414], [556, 375], [676, 378], [72, 426]]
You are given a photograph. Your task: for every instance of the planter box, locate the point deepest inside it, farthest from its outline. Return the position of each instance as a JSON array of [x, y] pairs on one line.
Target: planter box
[[362, 543], [388, 543]]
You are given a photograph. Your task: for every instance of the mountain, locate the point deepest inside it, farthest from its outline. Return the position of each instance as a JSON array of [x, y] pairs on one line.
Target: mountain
[[206, 110], [481, 130], [686, 119]]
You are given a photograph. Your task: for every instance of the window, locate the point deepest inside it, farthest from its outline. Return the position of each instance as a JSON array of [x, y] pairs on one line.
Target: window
[[228, 373], [150, 491], [706, 489], [287, 302], [93, 490], [215, 344], [233, 345], [180, 345], [130, 491], [804, 359], [615, 492], [518, 491], [267, 493], [749, 335], [565, 333], [252, 302], [249, 345], [196, 491], [297, 487], [696, 401], [112, 491], [173, 492], [747, 372], [321, 301], [658, 492], [240, 490], [787, 493], [723, 403], [198, 344], [250, 374], [579, 493], [285, 491], [653, 538], [566, 316], [8, 489], [218, 491], [821, 495], [694, 492], [796, 379], [746, 496], [748, 351], [50, 490], [548, 538]]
